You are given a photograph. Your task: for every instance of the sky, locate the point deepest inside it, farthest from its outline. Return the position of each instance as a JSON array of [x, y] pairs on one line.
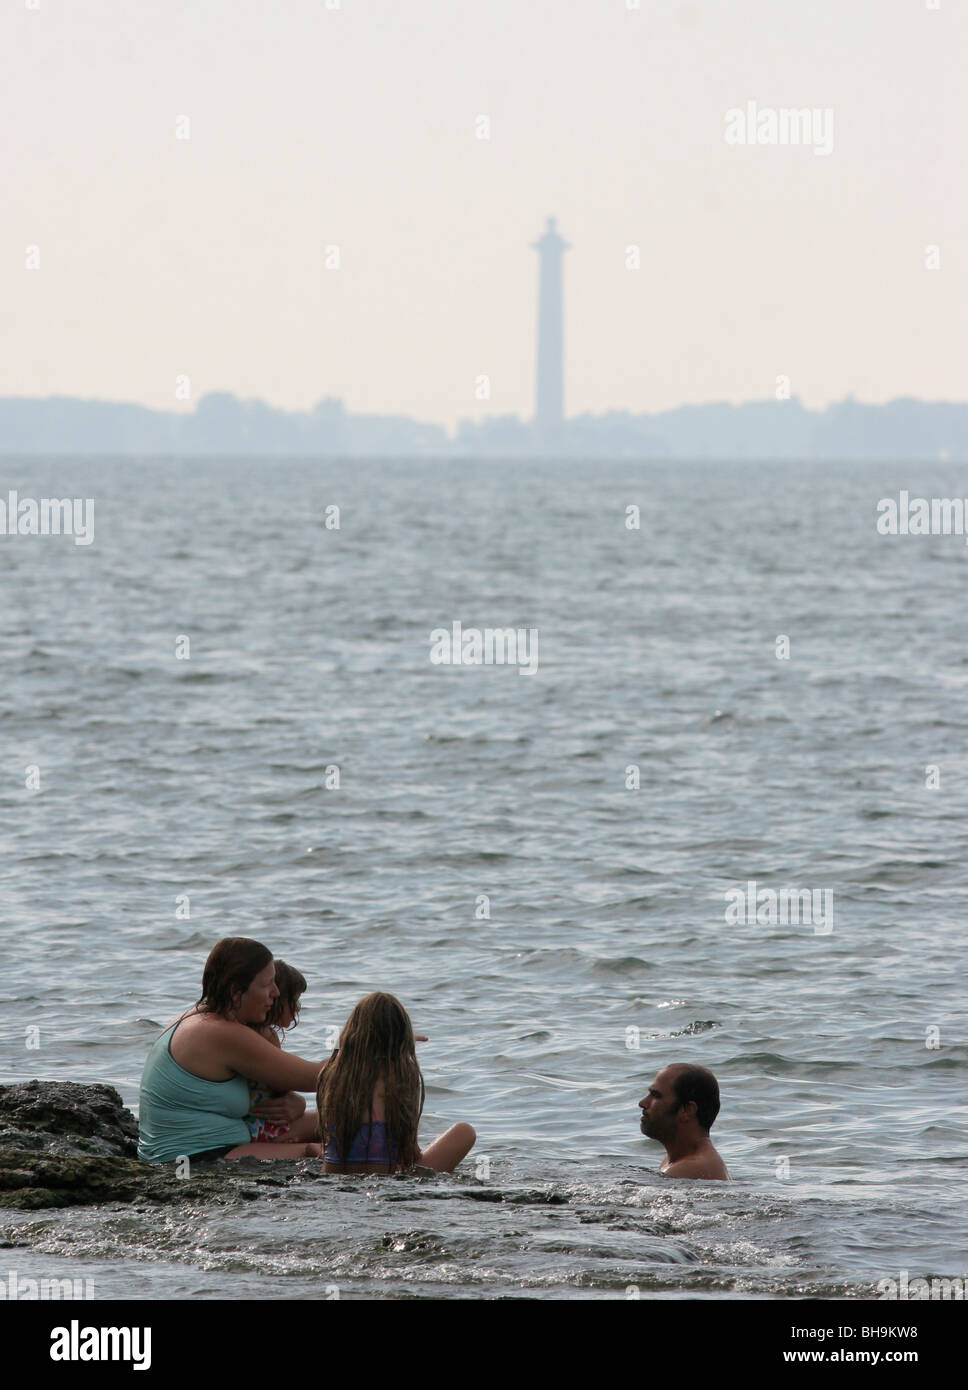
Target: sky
[[357, 125]]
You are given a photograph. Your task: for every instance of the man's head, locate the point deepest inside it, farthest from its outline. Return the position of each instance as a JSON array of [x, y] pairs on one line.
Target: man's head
[[681, 1098]]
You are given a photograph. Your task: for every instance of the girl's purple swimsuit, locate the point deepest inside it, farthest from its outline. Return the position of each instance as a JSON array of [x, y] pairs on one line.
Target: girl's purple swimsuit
[[372, 1136]]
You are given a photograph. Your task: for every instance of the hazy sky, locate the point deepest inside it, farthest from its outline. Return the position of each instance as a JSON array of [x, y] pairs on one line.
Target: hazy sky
[[314, 126]]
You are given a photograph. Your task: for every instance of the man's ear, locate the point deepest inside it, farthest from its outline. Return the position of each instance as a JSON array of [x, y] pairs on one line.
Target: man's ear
[[688, 1109]]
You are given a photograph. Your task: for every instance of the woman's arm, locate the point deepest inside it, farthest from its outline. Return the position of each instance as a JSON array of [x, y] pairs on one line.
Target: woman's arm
[[282, 1109], [250, 1055]]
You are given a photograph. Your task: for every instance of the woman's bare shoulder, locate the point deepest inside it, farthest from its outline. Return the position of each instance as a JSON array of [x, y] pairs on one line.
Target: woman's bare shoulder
[[180, 1018], [195, 1021]]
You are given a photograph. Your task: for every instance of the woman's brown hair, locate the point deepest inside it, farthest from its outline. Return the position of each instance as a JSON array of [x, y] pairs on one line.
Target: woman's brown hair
[[376, 1043], [232, 965]]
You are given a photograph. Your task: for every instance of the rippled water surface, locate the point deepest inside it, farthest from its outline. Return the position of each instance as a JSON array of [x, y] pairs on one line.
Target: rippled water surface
[[310, 647]]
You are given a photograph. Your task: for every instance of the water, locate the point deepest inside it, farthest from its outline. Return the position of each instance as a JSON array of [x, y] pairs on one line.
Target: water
[[844, 1132]]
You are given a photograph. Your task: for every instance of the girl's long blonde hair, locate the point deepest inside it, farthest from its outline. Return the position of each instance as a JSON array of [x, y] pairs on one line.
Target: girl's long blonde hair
[[376, 1043]]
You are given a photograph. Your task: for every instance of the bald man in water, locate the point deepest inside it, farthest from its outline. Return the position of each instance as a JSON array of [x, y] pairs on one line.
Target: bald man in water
[[679, 1111]]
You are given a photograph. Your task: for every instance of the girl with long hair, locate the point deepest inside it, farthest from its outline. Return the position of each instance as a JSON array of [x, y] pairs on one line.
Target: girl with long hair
[[371, 1096]]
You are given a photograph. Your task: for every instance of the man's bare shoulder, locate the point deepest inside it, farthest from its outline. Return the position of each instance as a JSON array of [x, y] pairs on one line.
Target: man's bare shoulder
[[708, 1166]]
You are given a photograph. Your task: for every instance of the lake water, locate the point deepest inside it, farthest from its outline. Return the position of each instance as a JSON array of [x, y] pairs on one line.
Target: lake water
[[473, 790]]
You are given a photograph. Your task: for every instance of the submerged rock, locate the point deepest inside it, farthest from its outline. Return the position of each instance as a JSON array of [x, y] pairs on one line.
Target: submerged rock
[[63, 1144]]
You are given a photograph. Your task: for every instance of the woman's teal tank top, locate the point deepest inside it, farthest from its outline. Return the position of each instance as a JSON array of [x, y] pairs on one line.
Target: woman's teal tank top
[[180, 1113]]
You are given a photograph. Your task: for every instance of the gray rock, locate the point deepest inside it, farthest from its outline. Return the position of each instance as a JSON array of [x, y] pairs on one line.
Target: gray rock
[[63, 1144]]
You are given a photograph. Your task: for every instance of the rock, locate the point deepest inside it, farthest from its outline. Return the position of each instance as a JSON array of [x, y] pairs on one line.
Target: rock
[[63, 1144], [63, 1117]]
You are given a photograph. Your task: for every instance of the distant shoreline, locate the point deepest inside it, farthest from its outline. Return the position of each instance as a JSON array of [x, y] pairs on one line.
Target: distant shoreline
[[223, 425]]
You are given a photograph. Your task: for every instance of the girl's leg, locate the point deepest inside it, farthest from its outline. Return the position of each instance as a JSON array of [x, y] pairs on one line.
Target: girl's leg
[[445, 1153], [306, 1127], [278, 1150]]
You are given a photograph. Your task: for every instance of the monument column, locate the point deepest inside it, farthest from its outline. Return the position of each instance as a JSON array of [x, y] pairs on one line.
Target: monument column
[[549, 377]]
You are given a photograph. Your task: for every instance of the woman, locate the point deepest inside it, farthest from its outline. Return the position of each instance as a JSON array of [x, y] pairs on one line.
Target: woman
[[194, 1088]]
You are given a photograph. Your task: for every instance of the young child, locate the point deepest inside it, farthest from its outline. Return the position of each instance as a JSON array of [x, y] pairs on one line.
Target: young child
[[283, 1014], [371, 1096]]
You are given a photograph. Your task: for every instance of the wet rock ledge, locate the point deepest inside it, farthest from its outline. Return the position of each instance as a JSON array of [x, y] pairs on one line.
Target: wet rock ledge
[[67, 1145]]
